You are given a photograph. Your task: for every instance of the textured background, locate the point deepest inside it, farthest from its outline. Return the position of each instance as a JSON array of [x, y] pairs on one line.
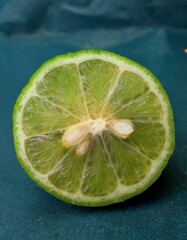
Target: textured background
[[154, 33]]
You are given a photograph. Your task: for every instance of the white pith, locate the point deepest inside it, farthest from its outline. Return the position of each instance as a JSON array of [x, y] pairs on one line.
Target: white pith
[[95, 127]]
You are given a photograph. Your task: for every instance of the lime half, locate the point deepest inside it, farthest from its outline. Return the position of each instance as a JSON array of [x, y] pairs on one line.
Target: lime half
[[93, 128]]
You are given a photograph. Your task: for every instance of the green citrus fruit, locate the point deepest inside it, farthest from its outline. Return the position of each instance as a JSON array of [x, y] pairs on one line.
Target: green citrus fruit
[[93, 128]]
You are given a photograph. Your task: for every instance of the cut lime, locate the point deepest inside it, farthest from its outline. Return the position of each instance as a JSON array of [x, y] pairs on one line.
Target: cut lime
[[93, 128]]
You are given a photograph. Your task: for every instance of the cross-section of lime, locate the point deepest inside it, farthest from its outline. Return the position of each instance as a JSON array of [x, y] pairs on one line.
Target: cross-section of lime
[[93, 128]]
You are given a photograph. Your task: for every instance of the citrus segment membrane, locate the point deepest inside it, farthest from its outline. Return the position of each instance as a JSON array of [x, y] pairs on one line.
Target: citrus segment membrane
[[98, 78], [63, 87], [44, 151], [148, 138], [130, 165], [93, 128], [99, 177], [41, 116], [146, 108], [67, 175], [129, 87]]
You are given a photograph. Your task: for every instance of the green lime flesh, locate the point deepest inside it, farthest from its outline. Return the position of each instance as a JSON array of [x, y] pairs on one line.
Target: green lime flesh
[[92, 84]]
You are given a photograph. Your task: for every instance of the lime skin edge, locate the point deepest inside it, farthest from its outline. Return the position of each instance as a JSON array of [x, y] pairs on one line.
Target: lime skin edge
[[111, 201], [89, 204]]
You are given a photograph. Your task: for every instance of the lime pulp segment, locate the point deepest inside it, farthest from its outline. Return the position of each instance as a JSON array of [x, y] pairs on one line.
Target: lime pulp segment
[[91, 90]]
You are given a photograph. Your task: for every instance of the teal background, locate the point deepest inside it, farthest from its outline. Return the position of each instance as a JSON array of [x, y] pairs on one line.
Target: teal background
[[154, 33]]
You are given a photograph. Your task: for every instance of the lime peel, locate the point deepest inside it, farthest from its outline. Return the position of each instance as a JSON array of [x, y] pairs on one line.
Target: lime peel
[[118, 191]]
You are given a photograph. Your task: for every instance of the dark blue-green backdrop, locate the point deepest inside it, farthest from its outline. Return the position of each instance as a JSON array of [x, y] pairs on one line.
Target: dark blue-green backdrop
[[154, 33]]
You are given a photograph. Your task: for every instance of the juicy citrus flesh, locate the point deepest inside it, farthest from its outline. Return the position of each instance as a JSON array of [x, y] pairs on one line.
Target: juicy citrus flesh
[[89, 85]]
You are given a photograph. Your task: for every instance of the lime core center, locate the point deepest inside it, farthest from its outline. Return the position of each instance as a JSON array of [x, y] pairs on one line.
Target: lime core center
[[96, 126], [81, 134]]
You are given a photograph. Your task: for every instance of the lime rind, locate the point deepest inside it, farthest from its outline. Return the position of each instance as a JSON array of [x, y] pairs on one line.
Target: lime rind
[[102, 200]]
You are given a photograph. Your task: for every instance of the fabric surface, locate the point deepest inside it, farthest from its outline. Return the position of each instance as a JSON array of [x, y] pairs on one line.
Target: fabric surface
[[153, 33]]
